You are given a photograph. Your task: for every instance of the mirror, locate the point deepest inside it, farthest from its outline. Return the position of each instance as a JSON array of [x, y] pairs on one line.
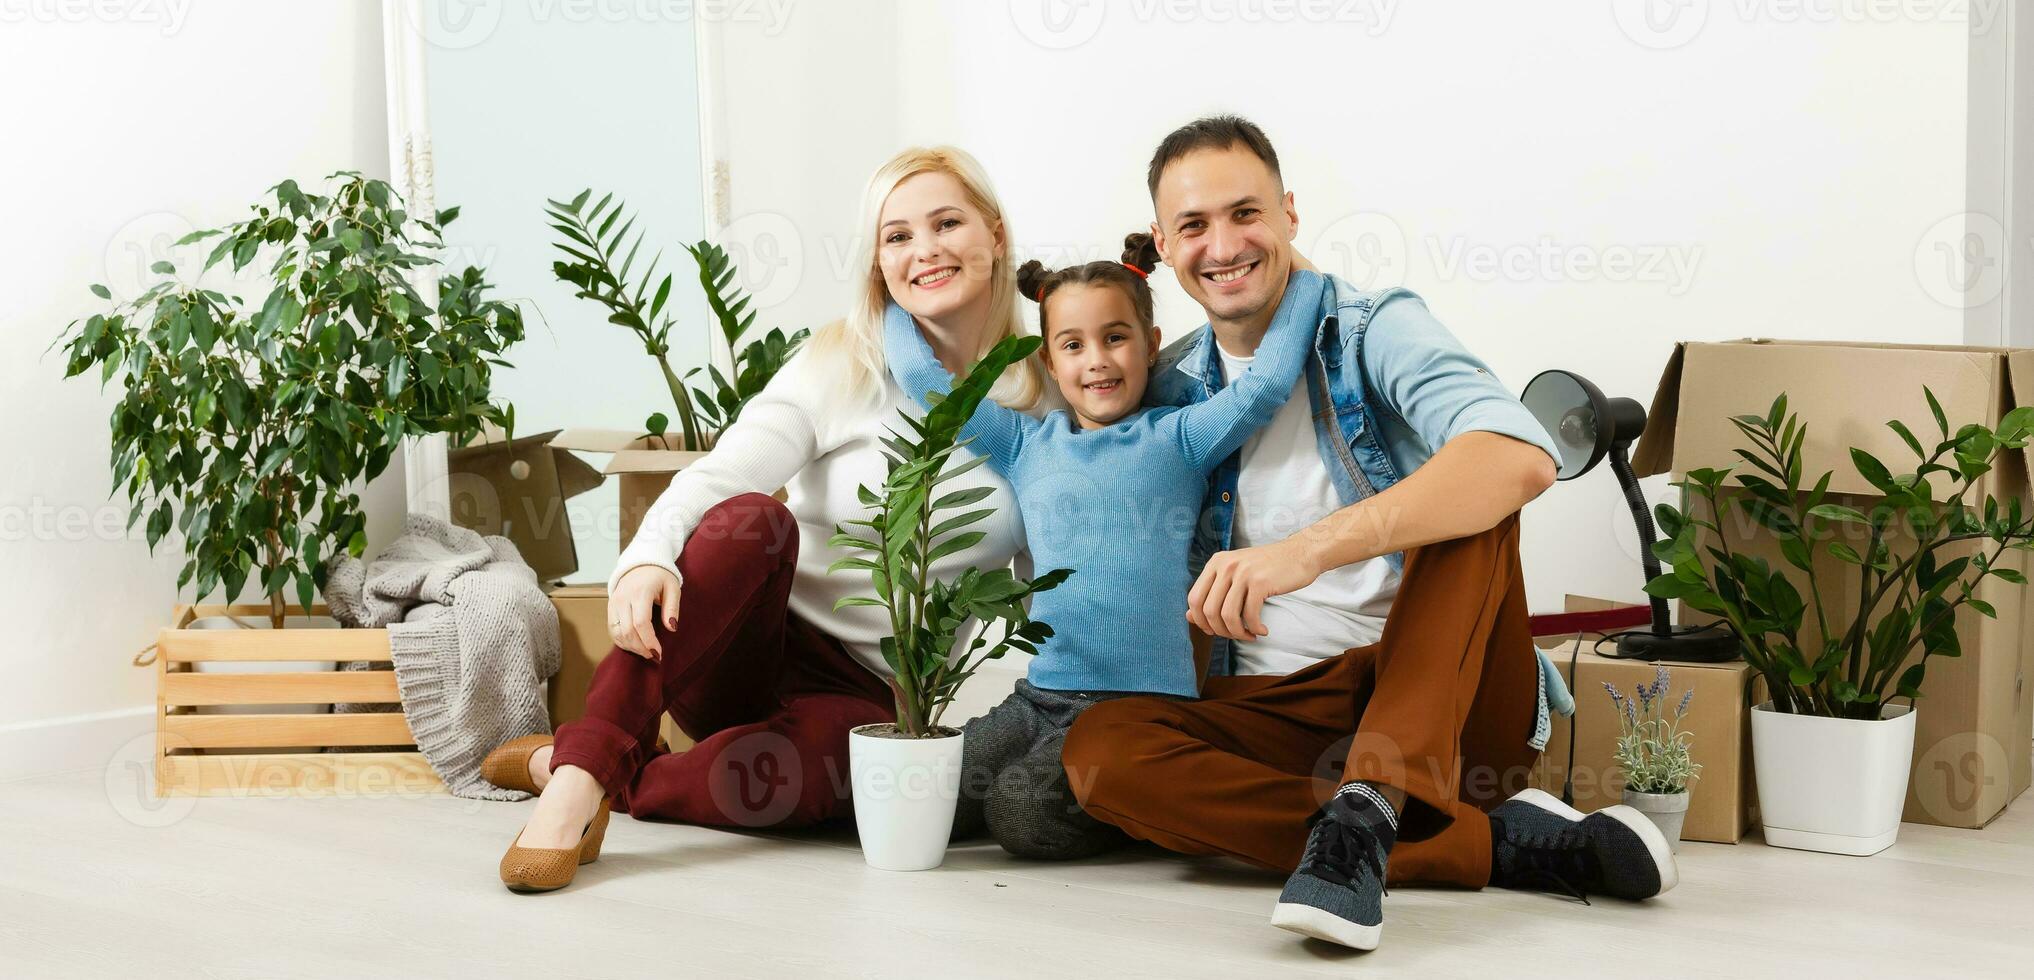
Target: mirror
[[495, 108]]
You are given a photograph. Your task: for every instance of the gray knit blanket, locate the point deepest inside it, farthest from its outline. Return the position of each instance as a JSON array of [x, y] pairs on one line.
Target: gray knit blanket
[[472, 636]]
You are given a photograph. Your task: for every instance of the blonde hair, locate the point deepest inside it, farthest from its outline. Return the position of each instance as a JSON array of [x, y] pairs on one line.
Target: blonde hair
[[853, 346]]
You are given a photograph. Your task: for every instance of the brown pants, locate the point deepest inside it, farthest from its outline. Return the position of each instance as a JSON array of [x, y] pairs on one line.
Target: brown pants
[[1441, 707]]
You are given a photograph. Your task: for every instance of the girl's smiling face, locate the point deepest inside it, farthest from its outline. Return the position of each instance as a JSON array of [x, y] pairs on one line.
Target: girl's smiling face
[[1098, 353]]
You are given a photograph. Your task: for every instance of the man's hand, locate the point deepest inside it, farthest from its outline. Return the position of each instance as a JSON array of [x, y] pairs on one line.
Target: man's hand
[[1230, 593]]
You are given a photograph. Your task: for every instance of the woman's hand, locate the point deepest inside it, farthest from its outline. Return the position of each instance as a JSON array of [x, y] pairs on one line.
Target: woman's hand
[[643, 592]]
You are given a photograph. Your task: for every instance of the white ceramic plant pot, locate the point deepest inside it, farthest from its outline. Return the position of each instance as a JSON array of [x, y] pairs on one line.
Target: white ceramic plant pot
[[905, 790], [1832, 784], [264, 667], [1667, 811]]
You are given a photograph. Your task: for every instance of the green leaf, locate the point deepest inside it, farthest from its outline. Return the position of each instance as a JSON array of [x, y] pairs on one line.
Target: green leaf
[[955, 544], [1838, 512], [1908, 437], [961, 498], [101, 291], [1874, 472], [1935, 409], [1910, 681]]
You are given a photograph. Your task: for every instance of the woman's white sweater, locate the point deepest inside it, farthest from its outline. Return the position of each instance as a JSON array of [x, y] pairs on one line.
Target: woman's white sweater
[[797, 434]]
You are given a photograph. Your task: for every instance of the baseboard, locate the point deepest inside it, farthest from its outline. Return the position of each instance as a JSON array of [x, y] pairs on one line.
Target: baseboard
[[73, 742]]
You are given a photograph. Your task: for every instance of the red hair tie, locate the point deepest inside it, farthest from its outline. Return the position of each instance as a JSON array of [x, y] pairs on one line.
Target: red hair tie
[[1141, 274]]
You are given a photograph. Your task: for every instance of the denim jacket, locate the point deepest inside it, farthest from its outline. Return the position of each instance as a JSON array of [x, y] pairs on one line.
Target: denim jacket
[[1388, 384]]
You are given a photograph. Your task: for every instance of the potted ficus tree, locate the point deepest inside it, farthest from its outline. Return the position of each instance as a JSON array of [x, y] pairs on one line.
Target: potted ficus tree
[[1832, 749], [906, 776], [248, 429], [1652, 753]]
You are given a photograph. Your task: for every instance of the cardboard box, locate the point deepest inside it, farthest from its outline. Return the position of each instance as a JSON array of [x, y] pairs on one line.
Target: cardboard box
[[1972, 737], [582, 628], [1720, 802], [518, 490], [644, 465]]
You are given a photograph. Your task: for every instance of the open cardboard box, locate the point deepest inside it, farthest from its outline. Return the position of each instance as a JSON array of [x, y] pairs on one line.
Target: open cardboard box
[[1975, 718], [643, 464], [518, 489]]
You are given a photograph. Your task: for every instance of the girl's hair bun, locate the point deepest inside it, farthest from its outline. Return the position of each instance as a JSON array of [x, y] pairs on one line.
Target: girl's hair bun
[[1031, 277], [1140, 252]]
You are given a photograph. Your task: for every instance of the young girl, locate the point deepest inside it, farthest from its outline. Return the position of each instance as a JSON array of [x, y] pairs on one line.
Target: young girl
[[1111, 490]]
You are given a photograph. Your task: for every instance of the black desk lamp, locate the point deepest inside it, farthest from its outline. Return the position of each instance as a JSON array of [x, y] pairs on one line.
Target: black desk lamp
[[1586, 427]]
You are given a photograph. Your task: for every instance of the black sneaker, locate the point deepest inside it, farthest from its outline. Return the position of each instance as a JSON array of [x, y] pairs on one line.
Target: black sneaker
[[1338, 892], [1542, 844]]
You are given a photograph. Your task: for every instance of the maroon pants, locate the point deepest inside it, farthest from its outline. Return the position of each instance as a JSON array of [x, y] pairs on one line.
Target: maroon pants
[[768, 698]]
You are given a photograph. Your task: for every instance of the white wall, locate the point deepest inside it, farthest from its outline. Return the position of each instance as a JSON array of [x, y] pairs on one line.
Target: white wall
[[120, 136], [1793, 169], [1800, 166]]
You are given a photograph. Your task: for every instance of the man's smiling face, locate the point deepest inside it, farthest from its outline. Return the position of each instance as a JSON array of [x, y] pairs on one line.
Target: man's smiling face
[[1225, 225]]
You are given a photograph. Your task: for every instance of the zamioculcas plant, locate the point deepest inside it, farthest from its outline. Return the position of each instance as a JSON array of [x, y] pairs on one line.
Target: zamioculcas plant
[[602, 257], [247, 429], [905, 534], [1847, 666]]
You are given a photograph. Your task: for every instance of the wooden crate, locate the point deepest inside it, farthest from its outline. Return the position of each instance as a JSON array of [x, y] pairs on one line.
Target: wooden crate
[[207, 754]]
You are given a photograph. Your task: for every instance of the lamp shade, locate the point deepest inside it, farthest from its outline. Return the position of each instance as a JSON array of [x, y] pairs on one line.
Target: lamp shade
[[1584, 423]]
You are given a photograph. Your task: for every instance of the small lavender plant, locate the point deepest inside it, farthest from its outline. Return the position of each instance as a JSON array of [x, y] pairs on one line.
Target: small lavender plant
[[1652, 750]]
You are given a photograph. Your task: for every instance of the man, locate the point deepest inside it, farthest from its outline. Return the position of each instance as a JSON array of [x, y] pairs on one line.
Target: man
[[1389, 483]]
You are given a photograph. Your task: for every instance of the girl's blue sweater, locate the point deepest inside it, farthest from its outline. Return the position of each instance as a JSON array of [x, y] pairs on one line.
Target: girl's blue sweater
[[1118, 504]]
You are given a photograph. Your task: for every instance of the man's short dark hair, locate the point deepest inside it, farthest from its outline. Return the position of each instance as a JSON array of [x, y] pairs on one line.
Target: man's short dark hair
[[1211, 133]]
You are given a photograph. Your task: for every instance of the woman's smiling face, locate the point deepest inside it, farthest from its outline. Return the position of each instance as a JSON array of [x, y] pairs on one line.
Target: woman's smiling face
[[935, 249], [1098, 352]]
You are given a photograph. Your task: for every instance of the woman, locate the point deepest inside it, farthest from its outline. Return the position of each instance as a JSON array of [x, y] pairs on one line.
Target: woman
[[721, 609]]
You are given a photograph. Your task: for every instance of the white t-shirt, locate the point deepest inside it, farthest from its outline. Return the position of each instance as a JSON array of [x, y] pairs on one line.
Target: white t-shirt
[[1282, 488]]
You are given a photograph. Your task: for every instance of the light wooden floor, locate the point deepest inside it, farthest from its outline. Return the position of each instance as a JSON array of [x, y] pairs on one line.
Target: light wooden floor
[[100, 883]]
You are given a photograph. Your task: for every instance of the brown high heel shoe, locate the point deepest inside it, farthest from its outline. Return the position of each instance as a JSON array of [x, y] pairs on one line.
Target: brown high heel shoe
[[508, 766], [543, 869]]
